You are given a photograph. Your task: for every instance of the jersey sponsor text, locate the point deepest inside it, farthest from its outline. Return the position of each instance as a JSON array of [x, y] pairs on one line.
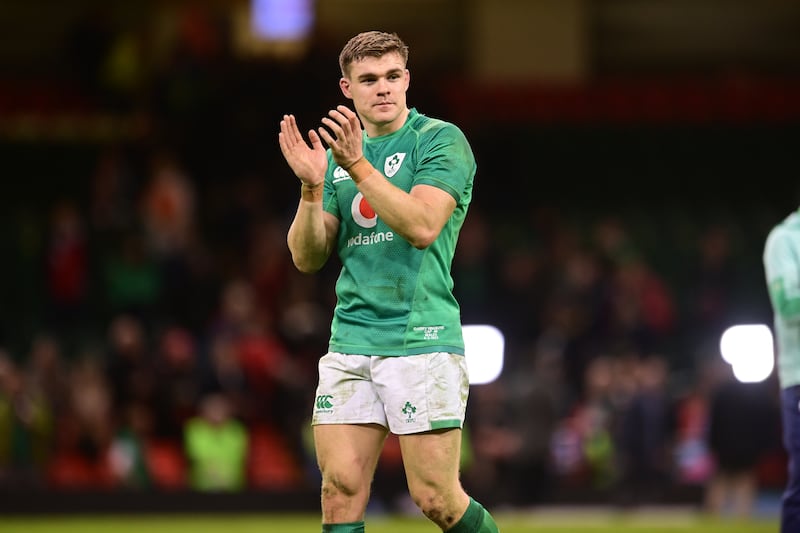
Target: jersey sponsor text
[[371, 238]]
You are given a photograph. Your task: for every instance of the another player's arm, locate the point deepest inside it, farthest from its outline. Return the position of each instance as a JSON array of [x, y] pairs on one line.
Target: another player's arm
[[783, 277]]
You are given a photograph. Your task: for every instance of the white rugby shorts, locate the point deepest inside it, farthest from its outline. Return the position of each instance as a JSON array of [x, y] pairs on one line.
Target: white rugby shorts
[[408, 394]]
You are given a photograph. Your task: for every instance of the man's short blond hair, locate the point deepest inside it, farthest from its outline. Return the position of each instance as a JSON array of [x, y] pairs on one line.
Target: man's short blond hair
[[371, 44]]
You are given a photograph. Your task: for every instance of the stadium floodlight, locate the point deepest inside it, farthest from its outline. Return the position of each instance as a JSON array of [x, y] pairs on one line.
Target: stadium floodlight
[[484, 347], [280, 29], [748, 348], [279, 20]]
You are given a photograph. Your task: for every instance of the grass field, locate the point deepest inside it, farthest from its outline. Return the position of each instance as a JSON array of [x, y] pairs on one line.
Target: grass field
[[533, 522]]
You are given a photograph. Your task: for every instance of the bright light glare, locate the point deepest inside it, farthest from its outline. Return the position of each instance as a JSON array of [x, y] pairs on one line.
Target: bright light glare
[[748, 348], [484, 347], [282, 19]]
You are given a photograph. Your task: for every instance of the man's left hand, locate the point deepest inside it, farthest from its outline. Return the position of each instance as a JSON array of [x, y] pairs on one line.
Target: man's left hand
[[346, 141]]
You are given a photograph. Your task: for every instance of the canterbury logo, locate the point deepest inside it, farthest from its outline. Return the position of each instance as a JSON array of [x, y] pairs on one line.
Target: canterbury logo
[[324, 401]]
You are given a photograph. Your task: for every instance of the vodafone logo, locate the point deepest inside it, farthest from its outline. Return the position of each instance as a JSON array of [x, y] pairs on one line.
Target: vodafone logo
[[362, 212], [365, 216]]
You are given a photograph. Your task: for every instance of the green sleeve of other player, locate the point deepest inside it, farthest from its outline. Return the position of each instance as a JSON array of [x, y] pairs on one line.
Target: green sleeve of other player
[[782, 267]]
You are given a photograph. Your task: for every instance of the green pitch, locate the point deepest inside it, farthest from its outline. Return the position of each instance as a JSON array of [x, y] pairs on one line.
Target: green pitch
[[533, 522]]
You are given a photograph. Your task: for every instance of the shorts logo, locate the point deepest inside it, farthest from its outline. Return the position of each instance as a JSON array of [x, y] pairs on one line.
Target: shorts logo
[[409, 410], [324, 403], [392, 164]]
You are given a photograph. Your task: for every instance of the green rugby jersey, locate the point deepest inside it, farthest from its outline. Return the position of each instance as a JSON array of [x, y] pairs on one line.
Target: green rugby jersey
[[782, 268], [393, 299]]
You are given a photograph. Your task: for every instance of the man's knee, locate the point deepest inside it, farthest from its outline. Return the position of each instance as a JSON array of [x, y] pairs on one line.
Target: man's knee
[[342, 484], [430, 501], [437, 504]]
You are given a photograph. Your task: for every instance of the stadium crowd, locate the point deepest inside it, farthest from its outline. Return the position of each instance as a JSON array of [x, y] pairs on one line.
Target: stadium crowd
[[177, 348], [157, 336]]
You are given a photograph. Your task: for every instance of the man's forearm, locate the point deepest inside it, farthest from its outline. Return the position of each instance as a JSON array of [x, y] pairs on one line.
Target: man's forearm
[[307, 237], [410, 217]]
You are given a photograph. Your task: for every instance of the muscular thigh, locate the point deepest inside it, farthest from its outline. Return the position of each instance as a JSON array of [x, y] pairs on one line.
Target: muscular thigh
[[432, 459], [348, 450]]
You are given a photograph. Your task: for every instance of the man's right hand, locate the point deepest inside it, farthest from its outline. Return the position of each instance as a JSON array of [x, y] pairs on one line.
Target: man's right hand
[[308, 163]]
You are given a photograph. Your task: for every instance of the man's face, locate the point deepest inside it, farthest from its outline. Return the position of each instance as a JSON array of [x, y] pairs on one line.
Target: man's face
[[377, 86]]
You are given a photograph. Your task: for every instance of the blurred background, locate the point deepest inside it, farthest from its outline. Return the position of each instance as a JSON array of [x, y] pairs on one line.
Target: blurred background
[[156, 343]]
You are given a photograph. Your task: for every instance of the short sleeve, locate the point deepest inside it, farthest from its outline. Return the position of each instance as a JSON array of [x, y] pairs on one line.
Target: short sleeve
[[447, 162]]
